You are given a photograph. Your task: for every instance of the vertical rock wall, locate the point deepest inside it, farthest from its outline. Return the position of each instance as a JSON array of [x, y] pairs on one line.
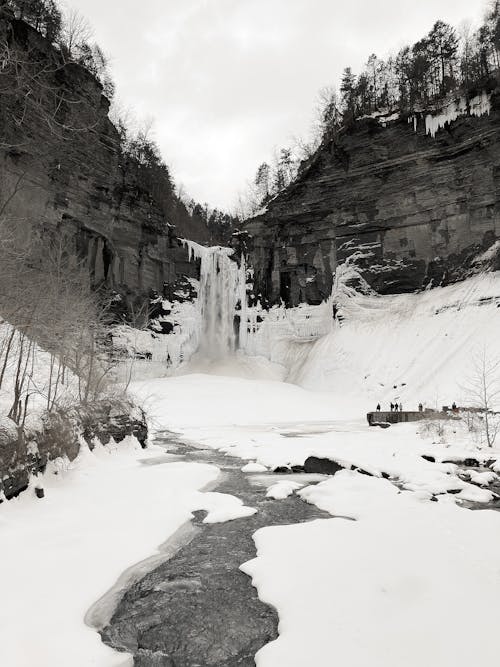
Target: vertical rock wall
[[408, 208], [62, 173]]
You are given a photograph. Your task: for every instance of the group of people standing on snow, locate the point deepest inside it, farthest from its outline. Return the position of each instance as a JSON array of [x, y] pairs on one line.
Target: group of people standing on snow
[[395, 407]]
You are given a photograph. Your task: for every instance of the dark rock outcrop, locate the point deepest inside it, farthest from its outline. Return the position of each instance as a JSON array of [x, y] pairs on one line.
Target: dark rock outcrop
[[283, 470], [407, 209], [471, 463], [24, 452], [314, 464]]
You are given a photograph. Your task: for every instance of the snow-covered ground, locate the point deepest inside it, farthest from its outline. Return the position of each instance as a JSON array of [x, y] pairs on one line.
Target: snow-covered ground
[[393, 578], [409, 581], [38, 384]]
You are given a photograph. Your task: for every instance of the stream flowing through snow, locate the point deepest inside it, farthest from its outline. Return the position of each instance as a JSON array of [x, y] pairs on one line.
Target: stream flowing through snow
[[163, 615]]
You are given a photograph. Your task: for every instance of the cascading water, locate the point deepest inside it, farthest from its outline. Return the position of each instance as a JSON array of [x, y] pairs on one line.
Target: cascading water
[[221, 299]]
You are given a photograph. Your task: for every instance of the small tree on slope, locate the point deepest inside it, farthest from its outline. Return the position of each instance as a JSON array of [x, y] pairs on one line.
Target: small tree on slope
[[483, 391]]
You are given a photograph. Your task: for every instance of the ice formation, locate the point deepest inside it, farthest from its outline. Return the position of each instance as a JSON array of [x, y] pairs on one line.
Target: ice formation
[[221, 299], [477, 106]]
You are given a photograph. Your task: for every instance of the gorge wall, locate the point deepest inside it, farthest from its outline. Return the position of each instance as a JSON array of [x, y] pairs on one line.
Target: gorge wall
[[410, 210], [63, 172]]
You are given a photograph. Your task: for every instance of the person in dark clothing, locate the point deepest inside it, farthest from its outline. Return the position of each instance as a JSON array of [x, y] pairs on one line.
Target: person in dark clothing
[[420, 407], [454, 407], [396, 407], [392, 407], [378, 407]]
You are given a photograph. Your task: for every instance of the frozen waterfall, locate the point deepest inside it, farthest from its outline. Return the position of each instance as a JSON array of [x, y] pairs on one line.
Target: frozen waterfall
[[221, 300]]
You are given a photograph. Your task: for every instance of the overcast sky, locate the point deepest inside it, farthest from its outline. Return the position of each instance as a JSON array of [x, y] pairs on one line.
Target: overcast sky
[[226, 81]]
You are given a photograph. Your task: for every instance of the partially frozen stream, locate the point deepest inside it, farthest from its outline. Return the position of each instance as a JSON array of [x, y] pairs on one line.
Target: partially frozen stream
[[195, 607]]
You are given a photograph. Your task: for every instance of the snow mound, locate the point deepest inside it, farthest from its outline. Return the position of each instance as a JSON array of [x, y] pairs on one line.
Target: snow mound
[[282, 490], [223, 507], [254, 467]]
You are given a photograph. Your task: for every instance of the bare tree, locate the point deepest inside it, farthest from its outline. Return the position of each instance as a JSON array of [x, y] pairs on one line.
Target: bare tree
[[327, 114], [76, 32], [482, 389], [47, 299]]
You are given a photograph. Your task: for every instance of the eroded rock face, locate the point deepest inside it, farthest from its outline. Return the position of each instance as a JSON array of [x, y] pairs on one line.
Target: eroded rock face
[[408, 209], [62, 172]]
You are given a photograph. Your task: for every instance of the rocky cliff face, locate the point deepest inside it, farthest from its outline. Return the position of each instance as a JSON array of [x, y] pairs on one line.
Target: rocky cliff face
[[62, 172], [410, 210]]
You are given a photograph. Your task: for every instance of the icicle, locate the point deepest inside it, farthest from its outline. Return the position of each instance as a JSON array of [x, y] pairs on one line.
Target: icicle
[[478, 106]]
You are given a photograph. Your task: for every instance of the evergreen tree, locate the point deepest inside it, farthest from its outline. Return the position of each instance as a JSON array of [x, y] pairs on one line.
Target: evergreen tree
[[328, 113], [493, 21], [263, 182], [373, 67], [442, 46], [418, 74], [347, 89], [402, 69]]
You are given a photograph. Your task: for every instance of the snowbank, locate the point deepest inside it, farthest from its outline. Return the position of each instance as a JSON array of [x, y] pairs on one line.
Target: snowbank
[[38, 383], [282, 490]]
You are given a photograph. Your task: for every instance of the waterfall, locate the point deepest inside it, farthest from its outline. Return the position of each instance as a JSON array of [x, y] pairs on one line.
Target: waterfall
[[222, 297]]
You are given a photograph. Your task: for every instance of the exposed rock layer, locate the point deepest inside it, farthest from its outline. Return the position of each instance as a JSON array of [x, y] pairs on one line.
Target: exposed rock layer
[[25, 452], [409, 209], [62, 171]]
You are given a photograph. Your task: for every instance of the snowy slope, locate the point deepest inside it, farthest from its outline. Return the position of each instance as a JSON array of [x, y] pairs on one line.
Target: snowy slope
[[411, 348], [37, 383]]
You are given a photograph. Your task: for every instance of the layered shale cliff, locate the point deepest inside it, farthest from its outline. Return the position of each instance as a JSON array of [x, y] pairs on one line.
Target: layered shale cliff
[[410, 210], [63, 172]]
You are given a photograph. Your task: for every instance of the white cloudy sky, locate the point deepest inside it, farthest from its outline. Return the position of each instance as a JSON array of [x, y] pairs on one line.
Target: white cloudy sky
[[228, 80]]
